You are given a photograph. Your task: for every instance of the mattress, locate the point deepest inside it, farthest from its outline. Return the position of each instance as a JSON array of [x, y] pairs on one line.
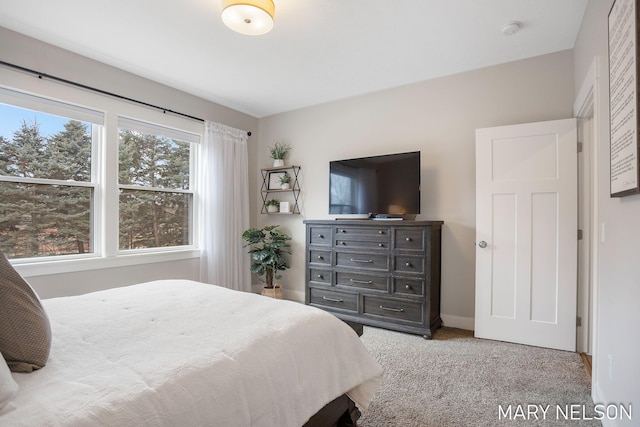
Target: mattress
[[178, 352]]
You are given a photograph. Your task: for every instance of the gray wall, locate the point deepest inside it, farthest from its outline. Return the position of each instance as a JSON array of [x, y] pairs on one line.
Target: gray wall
[[618, 292], [437, 117]]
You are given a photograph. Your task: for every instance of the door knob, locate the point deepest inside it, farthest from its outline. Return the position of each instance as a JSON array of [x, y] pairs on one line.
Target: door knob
[[482, 244]]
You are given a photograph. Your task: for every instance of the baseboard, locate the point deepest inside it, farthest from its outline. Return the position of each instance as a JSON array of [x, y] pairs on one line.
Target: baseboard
[[297, 296], [598, 398], [452, 321]]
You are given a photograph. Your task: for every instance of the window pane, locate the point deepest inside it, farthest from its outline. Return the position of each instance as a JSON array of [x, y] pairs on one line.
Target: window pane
[[153, 160], [153, 219], [44, 220], [40, 145]]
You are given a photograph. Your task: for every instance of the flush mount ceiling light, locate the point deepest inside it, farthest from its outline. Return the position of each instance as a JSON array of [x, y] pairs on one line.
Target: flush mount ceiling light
[[511, 28], [252, 17]]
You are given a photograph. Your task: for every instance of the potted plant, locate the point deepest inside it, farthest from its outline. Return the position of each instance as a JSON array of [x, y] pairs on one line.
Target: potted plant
[[272, 205], [279, 151], [285, 181], [269, 247]]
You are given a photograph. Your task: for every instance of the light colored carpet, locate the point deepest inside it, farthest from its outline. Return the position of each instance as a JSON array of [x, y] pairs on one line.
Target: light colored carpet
[[458, 380]]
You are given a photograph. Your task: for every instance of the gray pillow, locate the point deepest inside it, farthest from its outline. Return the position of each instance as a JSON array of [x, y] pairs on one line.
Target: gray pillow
[[25, 332]]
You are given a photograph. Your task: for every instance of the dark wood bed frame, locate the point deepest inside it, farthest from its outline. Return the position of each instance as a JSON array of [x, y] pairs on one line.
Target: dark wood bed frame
[[340, 412]]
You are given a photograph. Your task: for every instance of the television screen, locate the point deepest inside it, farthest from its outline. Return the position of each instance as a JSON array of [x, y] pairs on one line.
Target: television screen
[[380, 186]]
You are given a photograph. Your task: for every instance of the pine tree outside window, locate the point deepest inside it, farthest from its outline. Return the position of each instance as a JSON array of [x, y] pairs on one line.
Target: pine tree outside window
[[155, 180], [47, 182]]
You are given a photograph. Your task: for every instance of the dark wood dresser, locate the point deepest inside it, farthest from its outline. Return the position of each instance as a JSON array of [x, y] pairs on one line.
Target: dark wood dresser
[[378, 273]]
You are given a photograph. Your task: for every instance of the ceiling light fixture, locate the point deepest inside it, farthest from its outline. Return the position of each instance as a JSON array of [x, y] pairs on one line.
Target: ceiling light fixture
[[251, 17], [511, 28]]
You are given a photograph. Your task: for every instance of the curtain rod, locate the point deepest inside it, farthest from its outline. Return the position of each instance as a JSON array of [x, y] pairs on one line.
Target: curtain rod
[[103, 92]]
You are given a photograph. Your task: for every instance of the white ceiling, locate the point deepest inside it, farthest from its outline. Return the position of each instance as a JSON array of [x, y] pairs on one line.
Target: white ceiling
[[318, 51]]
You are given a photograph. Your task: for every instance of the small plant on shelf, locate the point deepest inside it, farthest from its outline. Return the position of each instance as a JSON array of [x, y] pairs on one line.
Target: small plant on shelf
[[272, 205], [268, 248], [285, 181], [279, 151]]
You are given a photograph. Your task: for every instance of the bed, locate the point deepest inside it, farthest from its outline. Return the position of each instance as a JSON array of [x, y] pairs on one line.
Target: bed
[[184, 353]]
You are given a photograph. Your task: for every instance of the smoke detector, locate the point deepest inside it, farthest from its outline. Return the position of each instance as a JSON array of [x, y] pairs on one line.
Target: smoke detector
[[511, 28]]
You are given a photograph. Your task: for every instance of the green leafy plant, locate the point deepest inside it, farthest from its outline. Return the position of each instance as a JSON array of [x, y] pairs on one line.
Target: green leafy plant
[[285, 179], [269, 247], [272, 202], [279, 150]]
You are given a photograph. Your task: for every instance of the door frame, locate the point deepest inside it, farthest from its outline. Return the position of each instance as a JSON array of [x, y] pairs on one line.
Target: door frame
[[587, 106]]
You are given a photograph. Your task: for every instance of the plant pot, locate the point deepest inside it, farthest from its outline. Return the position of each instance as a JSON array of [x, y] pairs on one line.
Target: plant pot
[[275, 292], [272, 209], [285, 186], [278, 163]]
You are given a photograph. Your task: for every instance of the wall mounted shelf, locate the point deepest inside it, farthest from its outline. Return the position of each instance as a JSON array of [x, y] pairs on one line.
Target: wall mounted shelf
[[271, 187]]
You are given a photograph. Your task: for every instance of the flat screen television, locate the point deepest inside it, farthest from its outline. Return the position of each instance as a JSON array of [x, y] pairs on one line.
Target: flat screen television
[[386, 186]]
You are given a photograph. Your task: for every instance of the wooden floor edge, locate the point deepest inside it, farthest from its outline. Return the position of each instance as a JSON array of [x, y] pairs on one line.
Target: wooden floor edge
[[586, 359]]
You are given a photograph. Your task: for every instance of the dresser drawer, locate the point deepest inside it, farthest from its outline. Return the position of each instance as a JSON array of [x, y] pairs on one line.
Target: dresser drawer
[[320, 257], [366, 261], [358, 280], [409, 239], [320, 276], [362, 233], [409, 264], [408, 287], [405, 311], [361, 244], [346, 301], [320, 235]]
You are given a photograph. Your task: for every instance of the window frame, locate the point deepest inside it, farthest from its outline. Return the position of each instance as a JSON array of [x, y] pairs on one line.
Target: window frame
[[39, 104], [195, 142], [104, 168]]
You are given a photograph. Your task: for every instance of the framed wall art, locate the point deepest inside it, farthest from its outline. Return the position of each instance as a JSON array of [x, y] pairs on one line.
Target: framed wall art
[[623, 97], [274, 180]]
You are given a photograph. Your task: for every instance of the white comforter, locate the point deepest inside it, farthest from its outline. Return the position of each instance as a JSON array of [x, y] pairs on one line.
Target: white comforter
[[182, 353]]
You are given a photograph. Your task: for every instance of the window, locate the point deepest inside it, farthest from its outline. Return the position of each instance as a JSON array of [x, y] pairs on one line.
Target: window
[[47, 184], [155, 185], [68, 192]]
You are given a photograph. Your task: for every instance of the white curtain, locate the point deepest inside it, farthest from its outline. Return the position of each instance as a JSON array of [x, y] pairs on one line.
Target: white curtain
[[225, 197]]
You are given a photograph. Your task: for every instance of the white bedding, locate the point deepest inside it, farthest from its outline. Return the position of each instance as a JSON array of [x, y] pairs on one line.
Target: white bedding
[[182, 353]]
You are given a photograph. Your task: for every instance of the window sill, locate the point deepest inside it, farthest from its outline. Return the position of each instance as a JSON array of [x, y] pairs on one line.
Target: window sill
[[52, 266]]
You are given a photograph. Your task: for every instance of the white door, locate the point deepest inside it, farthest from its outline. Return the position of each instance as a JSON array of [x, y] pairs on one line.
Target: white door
[[526, 234]]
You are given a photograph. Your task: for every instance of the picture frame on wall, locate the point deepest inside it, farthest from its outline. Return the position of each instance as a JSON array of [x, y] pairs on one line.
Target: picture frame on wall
[[274, 180], [623, 98]]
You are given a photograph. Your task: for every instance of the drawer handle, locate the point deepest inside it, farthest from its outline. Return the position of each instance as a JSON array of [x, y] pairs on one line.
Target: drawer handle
[[381, 245], [407, 287], [395, 310], [333, 299], [320, 276], [320, 257], [343, 231], [408, 239], [364, 282], [381, 232], [343, 243], [320, 236], [408, 264], [362, 261]]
